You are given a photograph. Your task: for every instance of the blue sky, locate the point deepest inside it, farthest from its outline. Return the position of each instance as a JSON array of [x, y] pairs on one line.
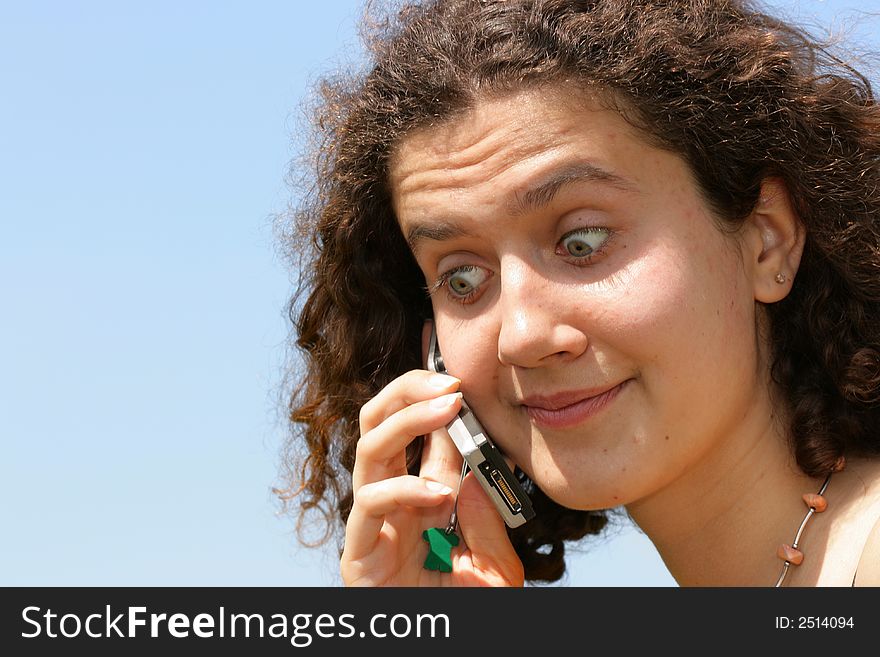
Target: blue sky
[[143, 155]]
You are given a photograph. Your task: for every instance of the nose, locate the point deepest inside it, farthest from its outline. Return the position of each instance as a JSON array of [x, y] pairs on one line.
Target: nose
[[539, 319]]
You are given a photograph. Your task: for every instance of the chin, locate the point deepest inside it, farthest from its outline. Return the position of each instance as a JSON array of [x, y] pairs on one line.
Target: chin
[[563, 493]]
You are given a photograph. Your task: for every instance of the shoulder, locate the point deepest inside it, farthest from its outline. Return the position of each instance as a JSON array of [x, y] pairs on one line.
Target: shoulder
[[868, 571]]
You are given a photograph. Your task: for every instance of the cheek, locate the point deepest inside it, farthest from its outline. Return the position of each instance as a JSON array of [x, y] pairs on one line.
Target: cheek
[[648, 310], [678, 297], [470, 352], [692, 319]]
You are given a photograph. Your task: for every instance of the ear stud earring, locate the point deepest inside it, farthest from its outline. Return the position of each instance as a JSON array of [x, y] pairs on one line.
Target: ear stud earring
[[781, 278]]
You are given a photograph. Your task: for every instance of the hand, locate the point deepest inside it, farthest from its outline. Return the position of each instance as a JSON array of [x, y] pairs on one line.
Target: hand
[[383, 537]]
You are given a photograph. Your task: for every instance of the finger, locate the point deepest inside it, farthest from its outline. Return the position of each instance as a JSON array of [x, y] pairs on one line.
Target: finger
[[441, 460], [409, 388], [376, 500], [485, 533], [379, 451]]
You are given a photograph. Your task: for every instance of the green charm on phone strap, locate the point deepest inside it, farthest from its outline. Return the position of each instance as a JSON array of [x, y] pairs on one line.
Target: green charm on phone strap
[[441, 540], [440, 554]]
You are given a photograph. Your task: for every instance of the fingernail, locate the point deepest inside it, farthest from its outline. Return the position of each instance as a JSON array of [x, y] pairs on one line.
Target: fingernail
[[437, 487], [445, 400], [442, 381]]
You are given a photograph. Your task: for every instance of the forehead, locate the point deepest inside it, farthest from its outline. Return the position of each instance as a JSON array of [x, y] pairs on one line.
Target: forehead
[[468, 137], [506, 139]]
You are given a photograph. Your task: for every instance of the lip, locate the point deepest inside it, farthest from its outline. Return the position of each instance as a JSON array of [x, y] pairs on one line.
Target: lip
[[568, 409]]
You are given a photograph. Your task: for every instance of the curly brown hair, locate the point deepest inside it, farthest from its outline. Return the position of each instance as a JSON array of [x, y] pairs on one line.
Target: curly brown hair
[[739, 95]]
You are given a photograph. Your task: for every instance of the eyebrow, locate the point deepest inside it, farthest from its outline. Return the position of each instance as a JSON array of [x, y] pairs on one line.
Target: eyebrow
[[534, 198], [542, 194], [437, 232]]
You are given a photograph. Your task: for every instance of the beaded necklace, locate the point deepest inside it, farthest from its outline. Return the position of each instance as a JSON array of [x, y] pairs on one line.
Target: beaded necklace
[[791, 554]]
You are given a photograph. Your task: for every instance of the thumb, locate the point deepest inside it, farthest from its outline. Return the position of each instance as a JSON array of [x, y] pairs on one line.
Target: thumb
[[485, 533]]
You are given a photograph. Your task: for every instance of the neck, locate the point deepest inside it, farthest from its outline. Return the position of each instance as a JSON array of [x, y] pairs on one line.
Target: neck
[[720, 523]]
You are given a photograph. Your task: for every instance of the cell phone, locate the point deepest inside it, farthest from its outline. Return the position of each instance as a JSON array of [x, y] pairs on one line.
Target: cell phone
[[481, 455]]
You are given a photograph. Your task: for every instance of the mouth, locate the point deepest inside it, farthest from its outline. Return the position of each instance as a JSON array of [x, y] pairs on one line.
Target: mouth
[[569, 409]]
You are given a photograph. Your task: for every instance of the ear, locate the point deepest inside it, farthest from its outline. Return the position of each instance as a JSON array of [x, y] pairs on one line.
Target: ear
[[774, 242]]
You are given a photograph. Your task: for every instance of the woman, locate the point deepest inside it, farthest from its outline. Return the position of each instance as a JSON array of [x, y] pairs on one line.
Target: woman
[[647, 236]]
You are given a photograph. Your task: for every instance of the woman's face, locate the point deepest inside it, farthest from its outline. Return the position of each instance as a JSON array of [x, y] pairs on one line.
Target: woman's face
[[602, 326]]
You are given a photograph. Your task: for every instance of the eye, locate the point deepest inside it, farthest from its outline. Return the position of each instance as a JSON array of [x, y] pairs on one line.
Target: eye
[[462, 283], [583, 242], [464, 280]]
